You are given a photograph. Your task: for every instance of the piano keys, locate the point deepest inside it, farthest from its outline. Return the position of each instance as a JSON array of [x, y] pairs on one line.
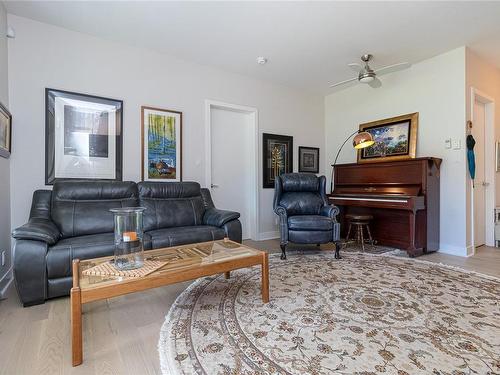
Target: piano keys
[[402, 196]]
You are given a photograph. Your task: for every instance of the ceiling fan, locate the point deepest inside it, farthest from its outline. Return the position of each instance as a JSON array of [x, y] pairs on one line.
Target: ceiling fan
[[368, 75]]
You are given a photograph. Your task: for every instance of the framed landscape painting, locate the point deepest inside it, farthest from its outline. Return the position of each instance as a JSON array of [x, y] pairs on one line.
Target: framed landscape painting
[[309, 159], [395, 139], [5, 131], [83, 137], [161, 144], [277, 157]]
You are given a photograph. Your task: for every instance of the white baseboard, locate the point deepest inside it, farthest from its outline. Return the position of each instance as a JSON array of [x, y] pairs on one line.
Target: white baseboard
[[470, 250], [268, 235], [453, 250]]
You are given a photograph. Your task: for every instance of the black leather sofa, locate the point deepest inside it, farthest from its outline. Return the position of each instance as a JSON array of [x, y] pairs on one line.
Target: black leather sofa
[[73, 221]]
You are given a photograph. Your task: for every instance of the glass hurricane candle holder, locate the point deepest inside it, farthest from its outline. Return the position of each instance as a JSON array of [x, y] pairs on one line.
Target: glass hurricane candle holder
[[129, 251]]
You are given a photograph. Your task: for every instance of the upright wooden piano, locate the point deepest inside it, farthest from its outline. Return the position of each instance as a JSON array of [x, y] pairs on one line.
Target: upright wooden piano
[[402, 196]]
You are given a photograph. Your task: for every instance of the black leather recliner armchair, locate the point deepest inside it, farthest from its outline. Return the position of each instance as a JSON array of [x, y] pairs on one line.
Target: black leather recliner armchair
[[305, 215], [73, 221]]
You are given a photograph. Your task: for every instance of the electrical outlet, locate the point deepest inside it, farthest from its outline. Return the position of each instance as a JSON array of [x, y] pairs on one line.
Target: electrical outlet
[[3, 258]]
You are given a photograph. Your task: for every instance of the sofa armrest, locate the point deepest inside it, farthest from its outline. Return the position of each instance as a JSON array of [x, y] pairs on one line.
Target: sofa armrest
[[30, 271], [330, 211], [218, 218], [38, 229]]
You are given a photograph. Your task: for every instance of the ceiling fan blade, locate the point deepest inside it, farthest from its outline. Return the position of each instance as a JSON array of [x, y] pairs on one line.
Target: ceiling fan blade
[[356, 67], [376, 83], [392, 68], [344, 82]]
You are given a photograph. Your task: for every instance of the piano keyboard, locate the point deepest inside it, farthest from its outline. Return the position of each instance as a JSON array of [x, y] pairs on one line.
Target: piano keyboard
[[371, 199]]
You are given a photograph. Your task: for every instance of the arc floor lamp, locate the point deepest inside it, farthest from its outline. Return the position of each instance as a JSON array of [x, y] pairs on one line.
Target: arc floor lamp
[[361, 140]]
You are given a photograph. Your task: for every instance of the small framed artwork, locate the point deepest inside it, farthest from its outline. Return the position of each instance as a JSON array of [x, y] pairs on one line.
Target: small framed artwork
[[497, 154], [161, 131], [83, 136], [309, 159], [395, 139], [277, 157], [5, 131]]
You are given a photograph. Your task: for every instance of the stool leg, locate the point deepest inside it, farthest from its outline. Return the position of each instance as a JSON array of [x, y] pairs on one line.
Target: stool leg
[[358, 234], [362, 237], [369, 234], [348, 233]]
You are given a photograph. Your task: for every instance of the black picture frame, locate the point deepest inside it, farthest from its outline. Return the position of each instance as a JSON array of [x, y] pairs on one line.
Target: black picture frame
[[282, 146], [308, 159], [97, 143], [6, 120]]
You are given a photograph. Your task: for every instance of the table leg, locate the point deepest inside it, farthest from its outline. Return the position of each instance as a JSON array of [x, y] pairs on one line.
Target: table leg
[[227, 274], [265, 278], [76, 326]]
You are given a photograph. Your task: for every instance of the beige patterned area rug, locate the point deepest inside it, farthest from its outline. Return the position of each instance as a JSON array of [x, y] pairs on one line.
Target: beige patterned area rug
[[363, 314]]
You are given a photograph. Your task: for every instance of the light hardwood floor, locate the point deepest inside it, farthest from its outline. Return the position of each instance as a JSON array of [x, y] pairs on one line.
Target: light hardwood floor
[[121, 334]]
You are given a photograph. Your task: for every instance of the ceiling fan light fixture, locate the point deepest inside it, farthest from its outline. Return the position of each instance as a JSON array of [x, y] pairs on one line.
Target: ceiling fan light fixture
[[366, 77]]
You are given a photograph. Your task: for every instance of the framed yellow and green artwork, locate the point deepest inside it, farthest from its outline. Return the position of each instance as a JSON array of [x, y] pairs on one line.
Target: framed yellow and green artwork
[[161, 144], [277, 157]]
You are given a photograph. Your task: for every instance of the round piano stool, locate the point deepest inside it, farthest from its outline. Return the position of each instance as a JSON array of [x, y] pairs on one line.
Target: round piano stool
[[359, 223]]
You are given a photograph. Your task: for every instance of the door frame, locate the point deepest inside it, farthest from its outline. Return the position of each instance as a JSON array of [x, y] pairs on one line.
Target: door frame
[[214, 104], [489, 167]]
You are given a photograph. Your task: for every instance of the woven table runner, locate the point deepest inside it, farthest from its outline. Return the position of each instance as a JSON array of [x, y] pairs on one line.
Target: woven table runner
[[108, 269]]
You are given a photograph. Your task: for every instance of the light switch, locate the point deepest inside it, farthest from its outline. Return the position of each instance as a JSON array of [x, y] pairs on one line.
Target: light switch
[[457, 144], [447, 143]]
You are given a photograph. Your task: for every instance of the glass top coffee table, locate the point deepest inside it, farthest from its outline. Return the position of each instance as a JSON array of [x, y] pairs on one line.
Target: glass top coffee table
[[181, 263]]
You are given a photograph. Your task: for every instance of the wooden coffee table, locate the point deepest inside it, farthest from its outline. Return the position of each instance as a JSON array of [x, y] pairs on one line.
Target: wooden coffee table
[[183, 263]]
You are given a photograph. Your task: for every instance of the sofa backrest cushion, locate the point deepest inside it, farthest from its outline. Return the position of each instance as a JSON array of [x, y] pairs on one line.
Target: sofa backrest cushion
[[82, 207], [171, 204]]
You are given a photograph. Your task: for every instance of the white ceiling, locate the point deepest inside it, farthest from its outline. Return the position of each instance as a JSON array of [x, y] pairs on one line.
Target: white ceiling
[[308, 44]]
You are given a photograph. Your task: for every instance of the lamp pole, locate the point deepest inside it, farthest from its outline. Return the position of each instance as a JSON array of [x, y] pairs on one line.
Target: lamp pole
[[337, 156]]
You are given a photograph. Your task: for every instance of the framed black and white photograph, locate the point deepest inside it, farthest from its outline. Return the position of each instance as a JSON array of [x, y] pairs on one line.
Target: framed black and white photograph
[[83, 137], [309, 159], [277, 157], [5, 131]]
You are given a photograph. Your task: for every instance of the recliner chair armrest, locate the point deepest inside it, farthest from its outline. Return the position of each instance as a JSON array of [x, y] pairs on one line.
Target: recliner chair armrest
[[38, 229], [218, 218], [280, 211], [330, 211]]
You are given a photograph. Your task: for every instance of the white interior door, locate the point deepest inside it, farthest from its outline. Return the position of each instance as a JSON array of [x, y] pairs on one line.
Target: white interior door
[[232, 163], [480, 184]]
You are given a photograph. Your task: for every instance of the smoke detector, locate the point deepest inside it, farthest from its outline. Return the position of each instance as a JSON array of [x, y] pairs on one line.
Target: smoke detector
[[261, 60]]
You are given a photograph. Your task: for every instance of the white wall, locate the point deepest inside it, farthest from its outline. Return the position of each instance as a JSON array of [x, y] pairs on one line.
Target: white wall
[[436, 89], [4, 163], [47, 56], [484, 77]]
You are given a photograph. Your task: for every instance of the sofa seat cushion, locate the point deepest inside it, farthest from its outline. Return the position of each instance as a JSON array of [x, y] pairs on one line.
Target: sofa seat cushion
[[61, 255], [184, 235], [310, 222]]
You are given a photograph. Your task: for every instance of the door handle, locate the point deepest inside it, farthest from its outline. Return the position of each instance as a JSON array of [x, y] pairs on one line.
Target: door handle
[[214, 186]]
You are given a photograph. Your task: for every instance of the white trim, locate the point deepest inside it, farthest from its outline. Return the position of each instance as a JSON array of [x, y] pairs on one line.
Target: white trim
[[489, 167], [209, 104], [10, 278], [268, 235]]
